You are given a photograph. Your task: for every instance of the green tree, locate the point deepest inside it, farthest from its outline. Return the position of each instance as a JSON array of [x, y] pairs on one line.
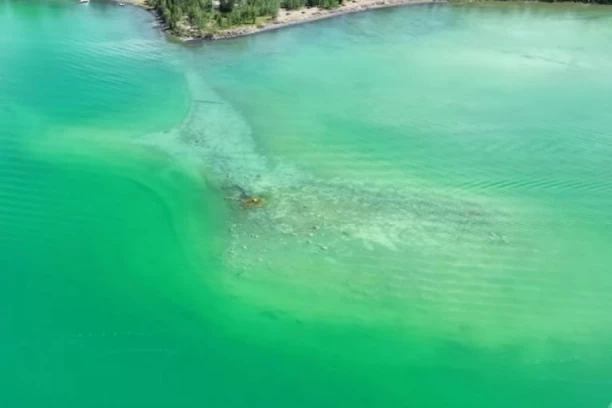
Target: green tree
[[226, 6]]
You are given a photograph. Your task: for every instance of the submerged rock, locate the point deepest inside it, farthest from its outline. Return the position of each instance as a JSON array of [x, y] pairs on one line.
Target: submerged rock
[[251, 202], [246, 200]]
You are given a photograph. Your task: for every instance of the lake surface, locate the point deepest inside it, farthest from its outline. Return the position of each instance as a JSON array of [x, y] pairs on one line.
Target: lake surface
[[436, 229]]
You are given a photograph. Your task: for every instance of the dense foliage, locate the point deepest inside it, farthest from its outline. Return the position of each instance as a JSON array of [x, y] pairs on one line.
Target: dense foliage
[[202, 17], [183, 17], [296, 4]]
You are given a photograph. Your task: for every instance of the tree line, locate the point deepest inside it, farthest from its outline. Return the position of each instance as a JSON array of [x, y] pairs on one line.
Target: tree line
[[184, 17], [206, 16]]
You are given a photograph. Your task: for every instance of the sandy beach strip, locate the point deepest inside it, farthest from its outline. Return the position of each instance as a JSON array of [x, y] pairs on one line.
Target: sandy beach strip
[[287, 18]]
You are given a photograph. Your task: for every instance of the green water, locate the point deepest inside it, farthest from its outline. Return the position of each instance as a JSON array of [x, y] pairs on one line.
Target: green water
[[437, 224]]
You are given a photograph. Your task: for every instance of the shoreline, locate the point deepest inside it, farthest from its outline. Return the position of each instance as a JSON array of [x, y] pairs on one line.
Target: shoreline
[[289, 18]]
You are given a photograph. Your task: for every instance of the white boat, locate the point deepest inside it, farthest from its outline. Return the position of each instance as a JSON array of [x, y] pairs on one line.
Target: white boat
[[83, 1]]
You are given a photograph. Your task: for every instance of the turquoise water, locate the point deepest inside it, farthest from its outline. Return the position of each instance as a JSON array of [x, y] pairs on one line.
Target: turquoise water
[[436, 227]]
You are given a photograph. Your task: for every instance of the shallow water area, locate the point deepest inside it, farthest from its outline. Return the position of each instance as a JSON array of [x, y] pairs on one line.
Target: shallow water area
[[433, 225], [414, 188]]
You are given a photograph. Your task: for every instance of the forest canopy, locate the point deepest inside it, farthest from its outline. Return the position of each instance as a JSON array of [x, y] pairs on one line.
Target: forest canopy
[[208, 16]]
